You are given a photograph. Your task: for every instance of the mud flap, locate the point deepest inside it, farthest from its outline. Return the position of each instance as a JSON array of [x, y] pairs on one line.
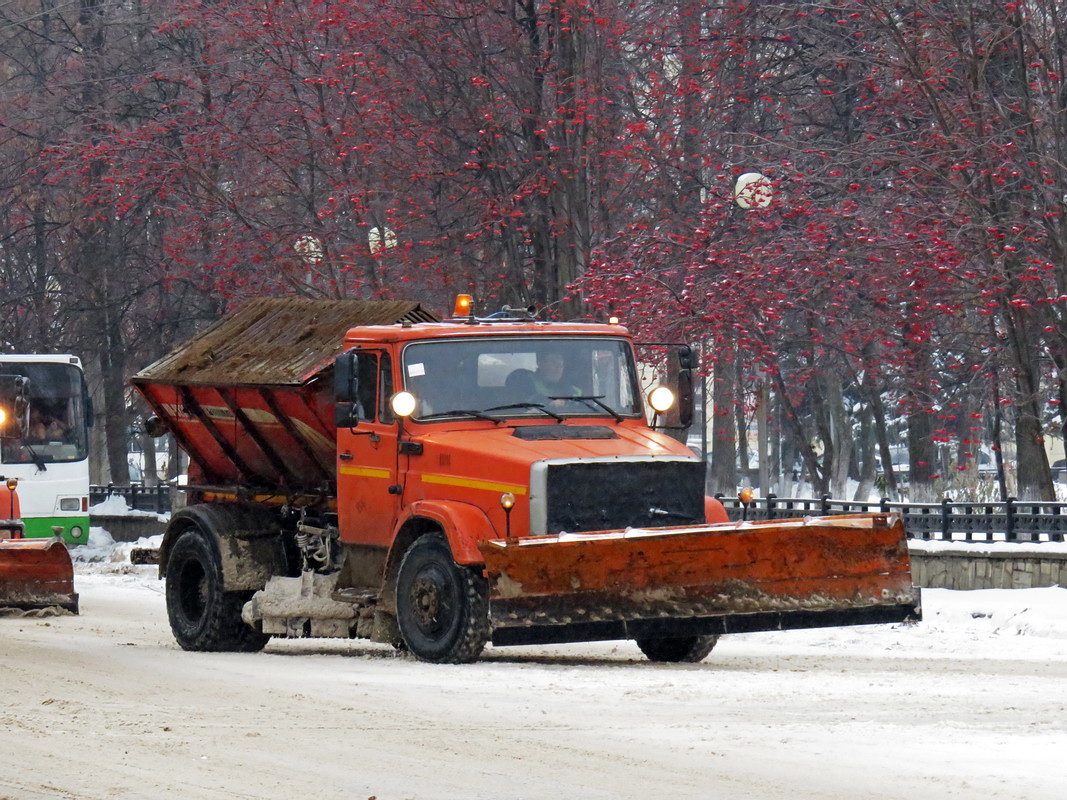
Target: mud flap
[[36, 573], [693, 580]]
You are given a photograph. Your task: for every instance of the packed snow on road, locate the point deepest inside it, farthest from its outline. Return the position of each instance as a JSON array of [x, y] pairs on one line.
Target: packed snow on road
[[971, 702]]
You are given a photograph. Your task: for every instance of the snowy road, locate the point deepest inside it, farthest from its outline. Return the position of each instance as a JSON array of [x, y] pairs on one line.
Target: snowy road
[[970, 703]]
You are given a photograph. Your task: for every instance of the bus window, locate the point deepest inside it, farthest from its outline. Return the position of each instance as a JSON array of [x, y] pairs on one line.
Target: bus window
[[56, 430]]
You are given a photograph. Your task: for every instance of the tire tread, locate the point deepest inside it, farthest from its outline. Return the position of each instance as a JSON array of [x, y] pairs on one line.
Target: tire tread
[[682, 650], [220, 628], [474, 633]]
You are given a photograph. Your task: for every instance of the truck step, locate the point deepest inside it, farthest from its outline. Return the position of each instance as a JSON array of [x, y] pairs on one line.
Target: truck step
[[311, 605]]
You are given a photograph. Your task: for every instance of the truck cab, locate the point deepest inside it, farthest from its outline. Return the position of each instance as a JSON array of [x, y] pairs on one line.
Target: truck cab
[[501, 410]]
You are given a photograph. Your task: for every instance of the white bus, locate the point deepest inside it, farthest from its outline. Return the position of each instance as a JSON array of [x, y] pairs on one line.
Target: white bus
[[46, 442]]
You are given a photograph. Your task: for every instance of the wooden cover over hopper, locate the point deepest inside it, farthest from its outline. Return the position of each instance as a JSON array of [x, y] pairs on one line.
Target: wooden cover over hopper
[[251, 398]]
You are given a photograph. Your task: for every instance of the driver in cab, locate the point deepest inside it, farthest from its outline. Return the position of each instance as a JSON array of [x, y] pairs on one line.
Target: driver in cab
[[549, 378]]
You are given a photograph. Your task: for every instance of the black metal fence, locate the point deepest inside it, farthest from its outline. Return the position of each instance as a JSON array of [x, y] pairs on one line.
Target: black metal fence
[[141, 498], [1001, 521]]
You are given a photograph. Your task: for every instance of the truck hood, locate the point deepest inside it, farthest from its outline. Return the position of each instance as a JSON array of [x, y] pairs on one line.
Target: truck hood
[[525, 444], [571, 476]]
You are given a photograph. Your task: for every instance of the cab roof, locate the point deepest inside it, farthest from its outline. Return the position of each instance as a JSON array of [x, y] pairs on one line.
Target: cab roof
[[451, 329]]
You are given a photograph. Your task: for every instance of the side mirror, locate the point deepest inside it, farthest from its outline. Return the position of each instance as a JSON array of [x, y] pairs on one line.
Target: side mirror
[[687, 357], [155, 427], [345, 390], [345, 378]]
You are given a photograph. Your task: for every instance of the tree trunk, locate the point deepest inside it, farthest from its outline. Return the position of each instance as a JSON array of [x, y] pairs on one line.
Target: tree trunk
[[922, 455], [148, 449], [1033, 474], [723, 442], [116, 415], [744, 460], [881, 434], [799, 440], [868, 471], [99, 471], [1032, 469], [840, 428]]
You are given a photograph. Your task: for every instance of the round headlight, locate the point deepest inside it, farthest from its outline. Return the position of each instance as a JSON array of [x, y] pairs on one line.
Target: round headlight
[[661, 398], [76, 532], [403, 404]]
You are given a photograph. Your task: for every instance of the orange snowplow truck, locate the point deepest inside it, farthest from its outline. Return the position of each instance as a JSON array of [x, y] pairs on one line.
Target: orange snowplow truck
[[34, 573], [361, 469]]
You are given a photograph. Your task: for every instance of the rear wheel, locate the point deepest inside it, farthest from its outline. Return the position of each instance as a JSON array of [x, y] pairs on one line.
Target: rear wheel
[[202, 615], [442, 608], [685, 649]]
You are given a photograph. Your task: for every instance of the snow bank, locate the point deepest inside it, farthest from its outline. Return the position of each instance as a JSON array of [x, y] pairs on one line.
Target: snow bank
[[103, 549], [99, 547], [1000, 612], [112, 506]]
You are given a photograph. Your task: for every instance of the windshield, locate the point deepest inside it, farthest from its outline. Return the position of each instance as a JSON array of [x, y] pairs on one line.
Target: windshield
[[510, 377], [56, 415]]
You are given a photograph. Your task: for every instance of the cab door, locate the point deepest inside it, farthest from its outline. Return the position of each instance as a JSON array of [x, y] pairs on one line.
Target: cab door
[[368, 498]]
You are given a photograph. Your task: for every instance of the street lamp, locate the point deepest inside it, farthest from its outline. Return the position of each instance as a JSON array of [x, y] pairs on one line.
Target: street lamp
[[753, 190]]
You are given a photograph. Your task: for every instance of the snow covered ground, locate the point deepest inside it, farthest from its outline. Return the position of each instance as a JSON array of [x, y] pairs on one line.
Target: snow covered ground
[[970, 703]]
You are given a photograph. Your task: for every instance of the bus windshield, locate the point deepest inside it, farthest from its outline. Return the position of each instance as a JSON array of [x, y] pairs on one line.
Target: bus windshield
[[55, 424], [519, 376]]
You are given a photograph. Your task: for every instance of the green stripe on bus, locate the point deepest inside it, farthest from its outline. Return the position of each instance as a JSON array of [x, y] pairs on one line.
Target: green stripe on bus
[[41, 528]]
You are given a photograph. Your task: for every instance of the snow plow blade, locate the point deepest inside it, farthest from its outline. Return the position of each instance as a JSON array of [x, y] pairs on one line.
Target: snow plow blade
[[36, 573], [696, 580]]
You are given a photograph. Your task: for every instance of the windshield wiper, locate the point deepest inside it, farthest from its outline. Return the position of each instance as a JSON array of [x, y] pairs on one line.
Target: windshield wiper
[[538, 406], [594, 399], [36, 458], [464, 412]]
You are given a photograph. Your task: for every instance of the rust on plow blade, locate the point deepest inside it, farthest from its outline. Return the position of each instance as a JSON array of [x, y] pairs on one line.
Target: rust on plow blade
[[36, 573], [695, 580]]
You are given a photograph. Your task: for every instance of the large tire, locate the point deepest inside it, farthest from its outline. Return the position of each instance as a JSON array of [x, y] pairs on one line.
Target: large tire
[[686, 649], [442, 608], [202, 615]]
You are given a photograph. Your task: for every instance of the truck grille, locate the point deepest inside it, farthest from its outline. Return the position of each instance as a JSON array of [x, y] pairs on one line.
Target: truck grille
[[581, 495]]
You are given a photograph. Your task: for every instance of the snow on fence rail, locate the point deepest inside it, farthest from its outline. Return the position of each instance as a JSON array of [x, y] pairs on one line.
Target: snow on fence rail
[[1001, 521], [141, 498]]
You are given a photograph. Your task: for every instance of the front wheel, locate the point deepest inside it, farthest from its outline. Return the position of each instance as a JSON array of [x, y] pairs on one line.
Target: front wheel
[[685, 649], [202, 615], [442, 608]]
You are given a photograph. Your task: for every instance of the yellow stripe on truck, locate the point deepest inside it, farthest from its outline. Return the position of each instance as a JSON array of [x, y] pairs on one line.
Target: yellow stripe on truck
[[366, 472], [451, 480]]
